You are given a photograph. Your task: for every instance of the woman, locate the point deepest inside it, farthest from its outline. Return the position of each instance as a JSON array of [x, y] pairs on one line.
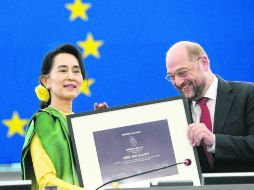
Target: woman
[[47, 157]]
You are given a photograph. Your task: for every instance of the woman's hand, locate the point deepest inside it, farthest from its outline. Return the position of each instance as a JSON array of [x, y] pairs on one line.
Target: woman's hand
[[100, 106]]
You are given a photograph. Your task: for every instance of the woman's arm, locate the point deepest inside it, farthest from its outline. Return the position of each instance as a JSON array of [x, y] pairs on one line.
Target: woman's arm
[[44, 169]]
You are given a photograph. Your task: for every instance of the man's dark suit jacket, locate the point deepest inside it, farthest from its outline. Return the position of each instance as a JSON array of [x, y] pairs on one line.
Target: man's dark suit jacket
[[233, 129]]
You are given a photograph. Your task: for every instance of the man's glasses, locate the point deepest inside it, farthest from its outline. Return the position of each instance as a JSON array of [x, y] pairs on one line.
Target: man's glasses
[[182, 73]]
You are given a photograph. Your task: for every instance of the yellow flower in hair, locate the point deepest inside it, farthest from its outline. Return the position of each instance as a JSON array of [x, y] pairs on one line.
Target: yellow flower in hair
[[42, 93]]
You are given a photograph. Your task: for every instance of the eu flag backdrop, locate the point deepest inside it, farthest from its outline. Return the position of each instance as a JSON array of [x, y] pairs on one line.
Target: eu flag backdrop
[[123, 43]]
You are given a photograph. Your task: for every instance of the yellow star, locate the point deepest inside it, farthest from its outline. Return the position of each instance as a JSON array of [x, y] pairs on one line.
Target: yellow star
[[85, 86], [15, 125], [90, 46], [78, 9]]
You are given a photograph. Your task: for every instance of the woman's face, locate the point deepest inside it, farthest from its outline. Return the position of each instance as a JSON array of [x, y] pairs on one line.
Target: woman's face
[[65, 78]]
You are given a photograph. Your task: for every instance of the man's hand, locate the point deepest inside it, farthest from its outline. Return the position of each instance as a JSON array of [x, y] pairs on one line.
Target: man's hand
[[100, 106], [198, 132]]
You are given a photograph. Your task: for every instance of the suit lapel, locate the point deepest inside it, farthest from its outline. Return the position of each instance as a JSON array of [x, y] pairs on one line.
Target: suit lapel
[[223, 105]]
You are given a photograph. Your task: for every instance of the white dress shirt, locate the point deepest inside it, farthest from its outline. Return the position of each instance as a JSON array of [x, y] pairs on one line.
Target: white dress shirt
[[211, 94]]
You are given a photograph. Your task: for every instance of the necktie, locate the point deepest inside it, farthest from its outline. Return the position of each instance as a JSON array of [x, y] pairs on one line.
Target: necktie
[[206, 119]]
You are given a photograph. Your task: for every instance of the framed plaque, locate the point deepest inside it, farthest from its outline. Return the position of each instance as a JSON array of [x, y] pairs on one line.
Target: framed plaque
[[118, 142]]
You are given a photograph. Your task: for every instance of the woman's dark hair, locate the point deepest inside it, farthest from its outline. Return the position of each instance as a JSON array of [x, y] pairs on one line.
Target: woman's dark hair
[[49, 58]]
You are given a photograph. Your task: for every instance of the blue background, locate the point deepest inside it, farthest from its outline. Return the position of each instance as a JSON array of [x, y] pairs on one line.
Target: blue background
[[136, 36]]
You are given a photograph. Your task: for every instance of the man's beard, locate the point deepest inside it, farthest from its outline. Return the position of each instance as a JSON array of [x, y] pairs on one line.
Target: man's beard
[[197, 91]]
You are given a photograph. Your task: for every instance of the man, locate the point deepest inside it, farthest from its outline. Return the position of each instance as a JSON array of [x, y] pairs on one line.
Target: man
[[228, 146]]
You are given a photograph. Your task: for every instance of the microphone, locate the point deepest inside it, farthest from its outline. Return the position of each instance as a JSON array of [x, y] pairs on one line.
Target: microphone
[[186, 162]]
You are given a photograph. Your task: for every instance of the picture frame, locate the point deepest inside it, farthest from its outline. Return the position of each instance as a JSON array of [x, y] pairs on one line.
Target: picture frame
[[115, 143]]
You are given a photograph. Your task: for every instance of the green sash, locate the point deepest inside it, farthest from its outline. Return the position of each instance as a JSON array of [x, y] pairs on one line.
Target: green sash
[[51, 128]]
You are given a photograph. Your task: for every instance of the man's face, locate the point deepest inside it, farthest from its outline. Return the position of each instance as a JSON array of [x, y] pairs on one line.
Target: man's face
[[186, 75]]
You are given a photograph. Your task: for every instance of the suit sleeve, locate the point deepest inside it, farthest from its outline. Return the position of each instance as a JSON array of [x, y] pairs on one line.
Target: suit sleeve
[[236, 142]]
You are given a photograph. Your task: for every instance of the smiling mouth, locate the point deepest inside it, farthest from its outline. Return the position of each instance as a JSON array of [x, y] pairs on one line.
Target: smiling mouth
[[186, 87], [70, 86]]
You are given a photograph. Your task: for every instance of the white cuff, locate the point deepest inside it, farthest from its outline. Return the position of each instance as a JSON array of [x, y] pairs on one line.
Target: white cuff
[[211, 149]]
